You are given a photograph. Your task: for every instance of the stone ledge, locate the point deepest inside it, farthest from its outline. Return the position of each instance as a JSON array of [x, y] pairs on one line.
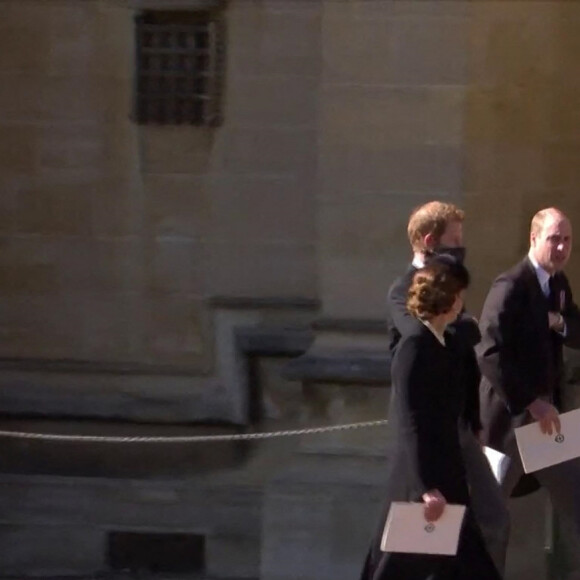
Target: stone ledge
[[273, 341], [341, 366], [46, 365], [366, 325], [253, 303]]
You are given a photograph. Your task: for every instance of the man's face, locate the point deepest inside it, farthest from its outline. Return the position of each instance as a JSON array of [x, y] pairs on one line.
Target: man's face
[[553, 244], [452, 236]]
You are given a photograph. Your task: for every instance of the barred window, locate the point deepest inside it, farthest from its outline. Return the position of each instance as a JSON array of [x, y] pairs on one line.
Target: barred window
[[180, 65]]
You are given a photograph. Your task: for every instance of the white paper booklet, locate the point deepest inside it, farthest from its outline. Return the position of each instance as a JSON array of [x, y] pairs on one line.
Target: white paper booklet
[[538, 450], [498, 461], [406, 530]]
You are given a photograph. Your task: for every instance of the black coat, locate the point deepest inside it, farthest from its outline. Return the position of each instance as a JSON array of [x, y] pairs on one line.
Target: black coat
[[465, 329], [519, 356], [427, 400]]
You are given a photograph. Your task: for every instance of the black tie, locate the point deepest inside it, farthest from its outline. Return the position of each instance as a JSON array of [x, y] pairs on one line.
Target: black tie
[[553, 298]]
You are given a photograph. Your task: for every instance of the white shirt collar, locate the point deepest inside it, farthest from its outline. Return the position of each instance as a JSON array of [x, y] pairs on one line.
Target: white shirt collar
[[418, 261], [437, 335], [543, 276]]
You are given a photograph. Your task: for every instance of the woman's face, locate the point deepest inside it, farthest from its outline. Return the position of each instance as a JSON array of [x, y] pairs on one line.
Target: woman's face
[[457, 306]]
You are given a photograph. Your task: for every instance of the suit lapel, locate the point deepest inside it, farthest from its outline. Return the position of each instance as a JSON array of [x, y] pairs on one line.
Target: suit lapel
[[556, 302], [531, 279]]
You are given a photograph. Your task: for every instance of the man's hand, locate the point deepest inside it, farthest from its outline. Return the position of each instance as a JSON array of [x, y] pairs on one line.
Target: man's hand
[[555, 321], [434, 505], [546, 414]]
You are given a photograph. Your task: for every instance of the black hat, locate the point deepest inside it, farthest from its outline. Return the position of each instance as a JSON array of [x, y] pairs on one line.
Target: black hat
[[451, 263]]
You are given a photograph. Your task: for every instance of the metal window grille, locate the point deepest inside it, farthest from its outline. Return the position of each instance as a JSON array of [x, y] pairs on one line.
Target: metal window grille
[[180, 61]]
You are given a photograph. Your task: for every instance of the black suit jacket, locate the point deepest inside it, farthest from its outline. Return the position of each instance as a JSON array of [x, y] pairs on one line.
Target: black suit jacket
[[465, 334], [519, 356]]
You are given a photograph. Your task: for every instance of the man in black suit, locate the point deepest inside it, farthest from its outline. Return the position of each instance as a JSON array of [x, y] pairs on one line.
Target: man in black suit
[[435, 231], [528, 315]]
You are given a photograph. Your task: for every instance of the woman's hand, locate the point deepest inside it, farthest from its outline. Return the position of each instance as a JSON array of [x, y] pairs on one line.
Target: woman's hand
[[434, 505]]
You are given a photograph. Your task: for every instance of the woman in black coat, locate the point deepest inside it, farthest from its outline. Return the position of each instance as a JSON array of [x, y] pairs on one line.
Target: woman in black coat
[[427, 401]]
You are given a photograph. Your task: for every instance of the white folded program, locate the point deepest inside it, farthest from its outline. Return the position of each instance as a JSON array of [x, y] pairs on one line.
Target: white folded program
[[539, 450], [406, 530]]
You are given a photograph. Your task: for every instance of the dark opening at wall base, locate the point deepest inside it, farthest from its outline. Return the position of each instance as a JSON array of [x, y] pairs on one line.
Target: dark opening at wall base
[[156, 552]]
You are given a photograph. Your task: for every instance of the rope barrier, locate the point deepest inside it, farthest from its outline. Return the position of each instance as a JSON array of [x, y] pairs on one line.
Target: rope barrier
[[187, 438]]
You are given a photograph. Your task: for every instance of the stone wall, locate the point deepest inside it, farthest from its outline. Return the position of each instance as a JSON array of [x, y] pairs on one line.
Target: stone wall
[[113, 236], [340, 117], [521, 128]]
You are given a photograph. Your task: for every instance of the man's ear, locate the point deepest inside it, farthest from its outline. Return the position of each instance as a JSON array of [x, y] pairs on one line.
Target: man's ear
[[429, 241]]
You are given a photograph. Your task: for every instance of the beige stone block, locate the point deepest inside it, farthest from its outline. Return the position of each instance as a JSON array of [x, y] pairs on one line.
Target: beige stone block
[[174, 329], [501, 236], [564, 41], [42, 327], [245, 22], [176, 149], [93, 150], [269, 151], [36, 97], [391, 116], [262, 270], [31, 264], [107, 323], [114, 53], [73, 146], [116, 266], [25, 39], [116, 208], [250, 208], [66, 38], [278, 39], [356, 50], [174, 266], [427, 169], [17, 328], [282, 21], [279, 100], [177, 205], [357, 287], [98, 267], [53, 208], [363, 9], [559, 168], [18, 148], [10, 187], [519, 11], [430, 50], [497, 166], [513, 50], [507, 114], [74, 36], [562, 112], [29, 279], [496, 235], [38, 265]]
